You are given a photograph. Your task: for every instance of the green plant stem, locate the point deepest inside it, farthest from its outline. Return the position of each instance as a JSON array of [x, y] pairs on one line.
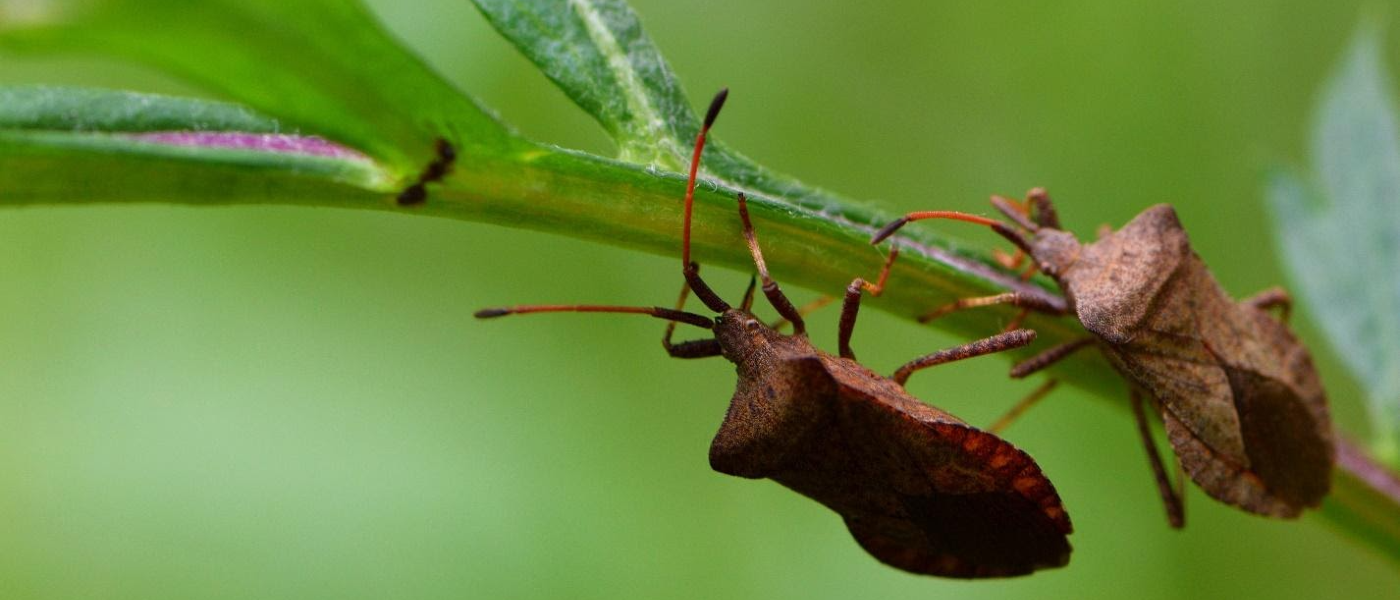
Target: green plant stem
[[622, 204], [1364, 498]]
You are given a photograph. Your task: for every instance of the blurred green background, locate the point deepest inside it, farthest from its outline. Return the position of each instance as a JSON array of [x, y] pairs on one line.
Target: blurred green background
[[297, 403]]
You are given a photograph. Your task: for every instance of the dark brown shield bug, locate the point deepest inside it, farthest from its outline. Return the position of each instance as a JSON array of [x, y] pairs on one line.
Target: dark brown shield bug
[[919, 489]]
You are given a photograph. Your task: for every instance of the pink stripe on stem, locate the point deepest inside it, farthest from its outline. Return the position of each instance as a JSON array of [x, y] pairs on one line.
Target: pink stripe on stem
[[259, 142]]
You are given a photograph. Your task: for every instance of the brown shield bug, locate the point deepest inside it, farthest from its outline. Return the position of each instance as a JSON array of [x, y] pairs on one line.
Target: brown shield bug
[[918, 488], [1240, 400]]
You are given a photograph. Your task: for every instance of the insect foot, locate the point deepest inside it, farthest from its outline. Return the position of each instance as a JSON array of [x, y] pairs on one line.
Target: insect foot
[[417, 193]]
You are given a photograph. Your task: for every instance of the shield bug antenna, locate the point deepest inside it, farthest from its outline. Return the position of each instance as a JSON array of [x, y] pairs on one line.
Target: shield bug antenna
[[918, 488], [1237, 393]]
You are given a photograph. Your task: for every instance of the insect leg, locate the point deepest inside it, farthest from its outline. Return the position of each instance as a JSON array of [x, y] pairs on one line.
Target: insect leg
[[1012, 298], [1171, 498], [804, 310], [747, 303], [1015, 211], [1274, 297], [1030, 400], [693, 349], [1049, 357], [680, 305], [851, 307], [442, 163], [987, 345], [1042, 210], [1009, 261], [770, 288], [1038, 207], [1180, 487]]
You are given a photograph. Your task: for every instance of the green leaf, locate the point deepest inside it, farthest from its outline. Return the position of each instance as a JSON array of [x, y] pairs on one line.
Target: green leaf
[[104, 146], [86, 109], [597, 53], [324, 66], [1341, 236]]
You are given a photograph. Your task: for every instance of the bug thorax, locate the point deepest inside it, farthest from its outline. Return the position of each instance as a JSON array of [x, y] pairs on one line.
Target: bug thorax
[[1055, 250]]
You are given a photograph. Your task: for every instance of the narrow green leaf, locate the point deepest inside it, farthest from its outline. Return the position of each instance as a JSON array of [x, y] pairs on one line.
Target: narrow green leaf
[[598, 54], [58, 143], [322, 66], [45, 167], [87, 109], [1341, 238]]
